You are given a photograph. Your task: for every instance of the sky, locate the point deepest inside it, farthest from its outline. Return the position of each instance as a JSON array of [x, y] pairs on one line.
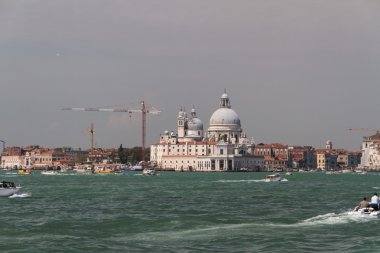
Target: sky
[[298, 72]]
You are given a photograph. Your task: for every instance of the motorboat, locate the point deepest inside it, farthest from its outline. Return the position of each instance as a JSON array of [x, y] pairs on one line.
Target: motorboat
[[49, 172], [8, 188], [83, 169], [274, 178], [102, 170], [23, 172], [149, 172], [364, 212]]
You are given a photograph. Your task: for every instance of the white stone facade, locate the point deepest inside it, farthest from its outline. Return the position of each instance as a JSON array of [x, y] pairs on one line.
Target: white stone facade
[[371, 152], [225, 148], [11, 161]]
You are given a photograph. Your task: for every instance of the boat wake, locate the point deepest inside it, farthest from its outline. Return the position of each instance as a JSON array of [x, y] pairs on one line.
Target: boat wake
[[332, 219], [249, 181], [20, 195], [242, 181]]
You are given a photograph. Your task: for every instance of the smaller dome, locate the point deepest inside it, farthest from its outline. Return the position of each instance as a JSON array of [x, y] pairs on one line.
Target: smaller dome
[[195, 124]]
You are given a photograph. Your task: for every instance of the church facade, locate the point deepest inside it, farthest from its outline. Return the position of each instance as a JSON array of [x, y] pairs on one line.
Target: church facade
[[224, 147]]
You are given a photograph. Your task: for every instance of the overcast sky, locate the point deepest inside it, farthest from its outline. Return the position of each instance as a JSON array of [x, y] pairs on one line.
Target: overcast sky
[[298, 72]]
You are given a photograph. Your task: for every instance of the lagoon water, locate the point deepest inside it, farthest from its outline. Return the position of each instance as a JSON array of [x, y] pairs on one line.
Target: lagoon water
[[187, 212]]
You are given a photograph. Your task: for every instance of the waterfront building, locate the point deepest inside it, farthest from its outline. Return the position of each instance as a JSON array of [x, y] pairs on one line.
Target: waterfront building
[[302, 157], [44, 157], [334, 159], [11, 158], [327, 159], [33, 156], [103, 155], [349, 159], [371, 152], [276, 155], [225, 147]]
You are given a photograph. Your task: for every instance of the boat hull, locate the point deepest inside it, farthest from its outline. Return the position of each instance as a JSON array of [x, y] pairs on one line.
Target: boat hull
[[365, 213], [6, 192], [149, 172]]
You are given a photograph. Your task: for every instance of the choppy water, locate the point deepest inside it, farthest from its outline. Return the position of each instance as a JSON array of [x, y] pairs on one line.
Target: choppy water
[[187, 212]]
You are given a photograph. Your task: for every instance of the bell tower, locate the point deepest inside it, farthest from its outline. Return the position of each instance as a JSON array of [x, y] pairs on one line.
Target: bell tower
[[181, 123]]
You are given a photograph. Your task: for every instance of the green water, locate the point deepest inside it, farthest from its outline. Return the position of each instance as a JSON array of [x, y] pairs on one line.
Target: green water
[[188, 212]]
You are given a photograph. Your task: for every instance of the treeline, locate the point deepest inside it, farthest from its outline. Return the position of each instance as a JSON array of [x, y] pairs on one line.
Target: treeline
[[132, 155]]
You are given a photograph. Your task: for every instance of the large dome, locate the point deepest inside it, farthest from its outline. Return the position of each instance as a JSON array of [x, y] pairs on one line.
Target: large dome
[[225, 116], [224, 120]]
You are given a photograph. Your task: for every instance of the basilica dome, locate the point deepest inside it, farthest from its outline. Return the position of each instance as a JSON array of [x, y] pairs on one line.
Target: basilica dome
[[224, 119], [225, 116]]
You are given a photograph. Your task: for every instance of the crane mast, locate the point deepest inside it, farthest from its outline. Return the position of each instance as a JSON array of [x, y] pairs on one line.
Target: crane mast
[[143, 132]]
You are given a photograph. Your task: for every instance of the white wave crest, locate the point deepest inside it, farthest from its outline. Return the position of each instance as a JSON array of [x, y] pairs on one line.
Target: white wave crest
[[20, 195]]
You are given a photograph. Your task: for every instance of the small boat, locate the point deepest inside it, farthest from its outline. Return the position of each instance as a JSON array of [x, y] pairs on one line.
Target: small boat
[[149, 172], [49, 172], [23, 172], [288, 173], [103, 171], [365, 212], [8, 188], [274, 178]]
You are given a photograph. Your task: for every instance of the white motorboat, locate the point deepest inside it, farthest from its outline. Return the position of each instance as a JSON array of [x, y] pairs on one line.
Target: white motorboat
[[49, 172], [149, 172], [365, 212], [8, 188], [274, 178]]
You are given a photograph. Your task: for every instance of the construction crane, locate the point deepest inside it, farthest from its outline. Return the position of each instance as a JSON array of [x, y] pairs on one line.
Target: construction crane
[[91, 131], [143, 110], [364, 129]]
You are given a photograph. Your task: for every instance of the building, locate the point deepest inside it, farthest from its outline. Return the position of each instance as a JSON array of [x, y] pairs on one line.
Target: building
[[11, 158], [225, 147], [327, 159], [371, 152], [34, 157], [335, 159], [302, 157], [276, 155]]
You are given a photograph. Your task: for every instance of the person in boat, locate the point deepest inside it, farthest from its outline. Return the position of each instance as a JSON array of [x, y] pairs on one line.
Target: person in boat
[[375, 201], [362, 204]]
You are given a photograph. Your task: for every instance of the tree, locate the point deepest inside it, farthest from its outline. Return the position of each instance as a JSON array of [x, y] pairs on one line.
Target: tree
[[122, 154]]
